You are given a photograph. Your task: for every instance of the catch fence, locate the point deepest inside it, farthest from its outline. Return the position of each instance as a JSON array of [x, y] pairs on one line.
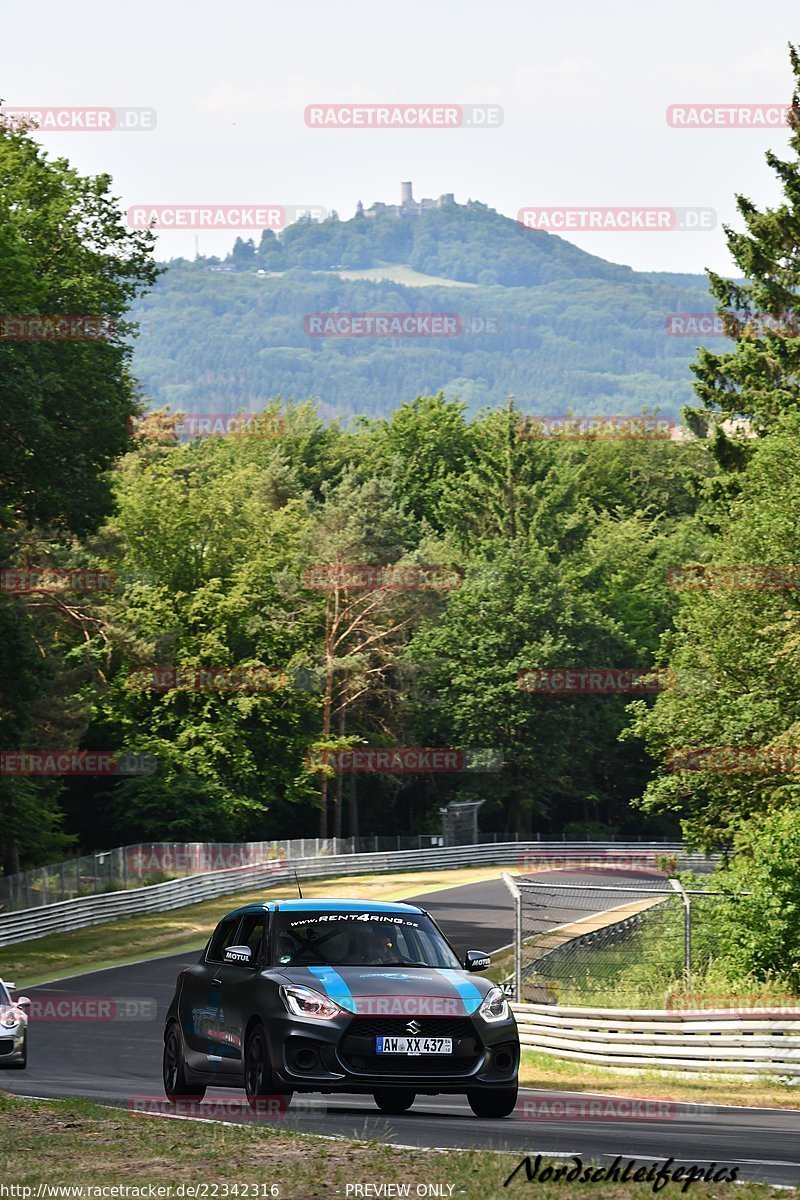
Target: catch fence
[[595, 941], [158, 862]]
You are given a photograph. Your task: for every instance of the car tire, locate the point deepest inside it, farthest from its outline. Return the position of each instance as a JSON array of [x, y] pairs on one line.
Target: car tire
[[176, 1085], [394, 1101], [258, 1084], [493, 1102]]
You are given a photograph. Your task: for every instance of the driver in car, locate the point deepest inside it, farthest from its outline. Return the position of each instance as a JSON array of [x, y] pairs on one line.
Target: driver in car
[[378, 948]]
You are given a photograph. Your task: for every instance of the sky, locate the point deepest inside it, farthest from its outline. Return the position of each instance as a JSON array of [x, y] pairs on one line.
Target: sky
[[584, 90]]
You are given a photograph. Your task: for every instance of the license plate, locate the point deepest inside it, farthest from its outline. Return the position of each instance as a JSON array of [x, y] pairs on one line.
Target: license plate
[[414, 1045]]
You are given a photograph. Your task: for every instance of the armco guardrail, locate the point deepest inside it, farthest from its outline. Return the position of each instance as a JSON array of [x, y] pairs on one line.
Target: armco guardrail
[[26, 924], [767, 1044], [145, 863]]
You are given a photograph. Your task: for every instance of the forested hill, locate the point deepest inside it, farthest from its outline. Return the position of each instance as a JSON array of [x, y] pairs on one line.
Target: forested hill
[[466, 242], [537, 317]]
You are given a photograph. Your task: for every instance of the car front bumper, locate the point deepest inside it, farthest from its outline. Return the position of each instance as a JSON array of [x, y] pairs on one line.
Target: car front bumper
[[12, 1045], [340, 1055]]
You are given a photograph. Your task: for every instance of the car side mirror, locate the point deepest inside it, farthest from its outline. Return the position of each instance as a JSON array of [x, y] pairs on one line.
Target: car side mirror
[[476, 960], [23, 1002], [242, 955]]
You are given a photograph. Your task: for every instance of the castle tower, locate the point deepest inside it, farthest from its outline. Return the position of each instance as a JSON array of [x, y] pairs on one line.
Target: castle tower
[[406, 193]]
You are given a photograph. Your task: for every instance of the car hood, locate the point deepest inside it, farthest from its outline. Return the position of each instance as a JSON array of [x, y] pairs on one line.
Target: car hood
[[387, 991]]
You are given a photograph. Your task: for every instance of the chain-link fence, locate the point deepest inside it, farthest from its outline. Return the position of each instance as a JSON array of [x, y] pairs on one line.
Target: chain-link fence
[[156, 862], [629, 944]]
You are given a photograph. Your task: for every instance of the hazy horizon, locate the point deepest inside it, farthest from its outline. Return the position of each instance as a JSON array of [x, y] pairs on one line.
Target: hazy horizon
[[584, 93]]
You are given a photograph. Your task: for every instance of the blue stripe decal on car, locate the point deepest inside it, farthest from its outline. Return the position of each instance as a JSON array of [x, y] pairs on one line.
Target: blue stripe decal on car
[[335, 987], [471, 996]]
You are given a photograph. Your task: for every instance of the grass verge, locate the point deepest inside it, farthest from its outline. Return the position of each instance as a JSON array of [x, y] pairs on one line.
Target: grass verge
[[72, 1142], [187, 929], [546, 1071]]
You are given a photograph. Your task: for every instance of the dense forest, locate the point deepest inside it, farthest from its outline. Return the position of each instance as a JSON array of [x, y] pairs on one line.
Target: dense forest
[[540, 319]]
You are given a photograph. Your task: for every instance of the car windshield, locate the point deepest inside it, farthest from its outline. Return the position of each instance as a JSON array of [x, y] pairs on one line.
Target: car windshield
[[5, 999], [359, 939]]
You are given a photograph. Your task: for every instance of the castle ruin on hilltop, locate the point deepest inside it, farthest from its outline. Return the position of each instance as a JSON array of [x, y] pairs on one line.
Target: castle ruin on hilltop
[[408, 206]]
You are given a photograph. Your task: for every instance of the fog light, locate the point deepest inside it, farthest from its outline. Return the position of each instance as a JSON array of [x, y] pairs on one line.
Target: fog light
[[503, 1060], [306, 1058]]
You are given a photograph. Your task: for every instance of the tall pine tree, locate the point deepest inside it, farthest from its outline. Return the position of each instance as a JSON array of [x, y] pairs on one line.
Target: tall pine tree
[[760, 377]]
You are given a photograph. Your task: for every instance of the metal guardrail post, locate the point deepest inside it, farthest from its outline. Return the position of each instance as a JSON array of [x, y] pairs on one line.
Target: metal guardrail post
[[517, 894], [687, 933]]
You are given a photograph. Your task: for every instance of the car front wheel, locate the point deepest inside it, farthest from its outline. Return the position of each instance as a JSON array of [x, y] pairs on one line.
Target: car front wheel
[[258, 1075], [393, 1102], [23, 1062], [176, 1086], [494, 1102]]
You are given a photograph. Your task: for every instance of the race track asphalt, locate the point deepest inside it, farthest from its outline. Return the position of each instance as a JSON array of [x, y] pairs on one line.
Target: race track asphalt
[[115, 1061]]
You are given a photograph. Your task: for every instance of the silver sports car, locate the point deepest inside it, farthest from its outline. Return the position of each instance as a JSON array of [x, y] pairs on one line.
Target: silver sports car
[[13, 1028]]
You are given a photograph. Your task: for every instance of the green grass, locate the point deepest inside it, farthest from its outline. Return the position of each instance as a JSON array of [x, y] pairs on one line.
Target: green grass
[[399, 273], [547, 1071], [72, 1142], [644, 969]]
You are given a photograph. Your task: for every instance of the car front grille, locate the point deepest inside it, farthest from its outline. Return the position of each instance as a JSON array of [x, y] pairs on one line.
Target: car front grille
[[6, 1045], [447, 1027], [357, 1049]]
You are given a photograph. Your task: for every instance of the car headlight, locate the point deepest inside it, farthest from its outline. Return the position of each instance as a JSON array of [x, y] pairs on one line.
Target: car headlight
[[8, 1018], [494, 1006], [305, 1002]]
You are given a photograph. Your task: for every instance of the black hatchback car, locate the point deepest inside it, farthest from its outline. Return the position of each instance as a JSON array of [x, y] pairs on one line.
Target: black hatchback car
[[340, 996]]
